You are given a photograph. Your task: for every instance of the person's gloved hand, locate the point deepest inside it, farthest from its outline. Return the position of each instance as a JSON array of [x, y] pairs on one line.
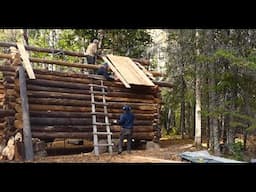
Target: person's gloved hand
[[115, 121]]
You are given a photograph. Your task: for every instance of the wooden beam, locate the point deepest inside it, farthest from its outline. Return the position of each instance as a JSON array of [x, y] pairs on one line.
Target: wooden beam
[[77, 65], [150, 75], [53, 114], [26, 62], [25, 116], [156, 73], [6, 56], [45, 50], [142, 61], [4, 113], [163, 84], [87, 135], [64, 63]]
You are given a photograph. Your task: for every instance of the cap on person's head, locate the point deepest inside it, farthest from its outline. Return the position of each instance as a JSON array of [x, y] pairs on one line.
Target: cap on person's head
[[126, 108], [105, 64], [95, 41]]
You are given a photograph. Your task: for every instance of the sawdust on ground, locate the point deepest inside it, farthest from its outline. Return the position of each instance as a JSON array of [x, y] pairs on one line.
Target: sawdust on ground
[[168, 152]]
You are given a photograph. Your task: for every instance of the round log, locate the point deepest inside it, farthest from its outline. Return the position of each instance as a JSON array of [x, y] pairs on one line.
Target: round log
[[53, 114], [85, 89], [37, 107], [70, 102], [46, 94], [85, 79], [62, 128], [85, 128], [53, 135], [74, 121], [7, 68]]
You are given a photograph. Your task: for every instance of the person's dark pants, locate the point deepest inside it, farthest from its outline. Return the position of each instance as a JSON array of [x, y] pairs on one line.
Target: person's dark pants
[[125, 133], [90, 59]]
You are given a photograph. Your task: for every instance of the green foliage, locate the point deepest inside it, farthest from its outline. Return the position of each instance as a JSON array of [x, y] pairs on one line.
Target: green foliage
[[237, 150], [227, 58], [153, 64], [172, 132], [10, 35], [235, 59], [237, 124], [251, 128], [217, 112], [129, 42]]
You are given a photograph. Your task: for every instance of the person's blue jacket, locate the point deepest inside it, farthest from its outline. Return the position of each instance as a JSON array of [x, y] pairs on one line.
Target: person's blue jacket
[[126, 120], [103, 71]]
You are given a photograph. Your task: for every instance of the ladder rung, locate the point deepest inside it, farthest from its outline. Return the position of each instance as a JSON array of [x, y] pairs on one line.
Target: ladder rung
[[102, 133], [95, 85], [100, 113], [99, 103], [103, 144], [98, 92], [98, 123]]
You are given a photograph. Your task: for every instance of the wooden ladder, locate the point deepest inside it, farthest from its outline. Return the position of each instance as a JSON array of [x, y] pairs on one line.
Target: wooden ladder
[[95, 123]]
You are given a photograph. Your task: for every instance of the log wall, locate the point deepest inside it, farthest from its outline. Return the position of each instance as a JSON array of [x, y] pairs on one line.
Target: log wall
[[60, 102], [60, 105], [7, 100]]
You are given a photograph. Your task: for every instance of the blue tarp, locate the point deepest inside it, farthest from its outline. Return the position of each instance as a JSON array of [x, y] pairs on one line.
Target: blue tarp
[[205, 157]]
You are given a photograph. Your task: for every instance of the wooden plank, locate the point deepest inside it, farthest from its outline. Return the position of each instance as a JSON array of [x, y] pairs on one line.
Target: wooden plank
[[150, 75], [29, 155], [130, 71], [123, 67], [126, 84], [141, 74], [144, 74], [26, 62]]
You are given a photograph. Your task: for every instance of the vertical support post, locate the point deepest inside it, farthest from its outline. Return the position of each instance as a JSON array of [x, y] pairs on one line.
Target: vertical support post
[[29, 155]]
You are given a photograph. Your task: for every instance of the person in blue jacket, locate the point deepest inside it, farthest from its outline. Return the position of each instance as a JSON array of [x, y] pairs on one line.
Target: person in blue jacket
[[103, 70], [126, 121]]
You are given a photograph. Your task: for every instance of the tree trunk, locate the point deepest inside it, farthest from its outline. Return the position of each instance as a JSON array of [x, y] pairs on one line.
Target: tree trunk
[[182, 107], [25, 36], [249, 113], [198, 139], [169, 121], [231, 130], [189, 123], [214, 135]]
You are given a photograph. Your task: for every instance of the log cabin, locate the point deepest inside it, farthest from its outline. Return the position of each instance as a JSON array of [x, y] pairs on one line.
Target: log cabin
[[59, 100]]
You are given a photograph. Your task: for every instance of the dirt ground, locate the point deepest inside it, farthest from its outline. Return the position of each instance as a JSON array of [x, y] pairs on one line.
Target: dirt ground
[[167, 151]]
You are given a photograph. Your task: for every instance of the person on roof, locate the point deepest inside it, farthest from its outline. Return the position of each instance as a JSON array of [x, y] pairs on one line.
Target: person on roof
[[92, 51], [103, 70]]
